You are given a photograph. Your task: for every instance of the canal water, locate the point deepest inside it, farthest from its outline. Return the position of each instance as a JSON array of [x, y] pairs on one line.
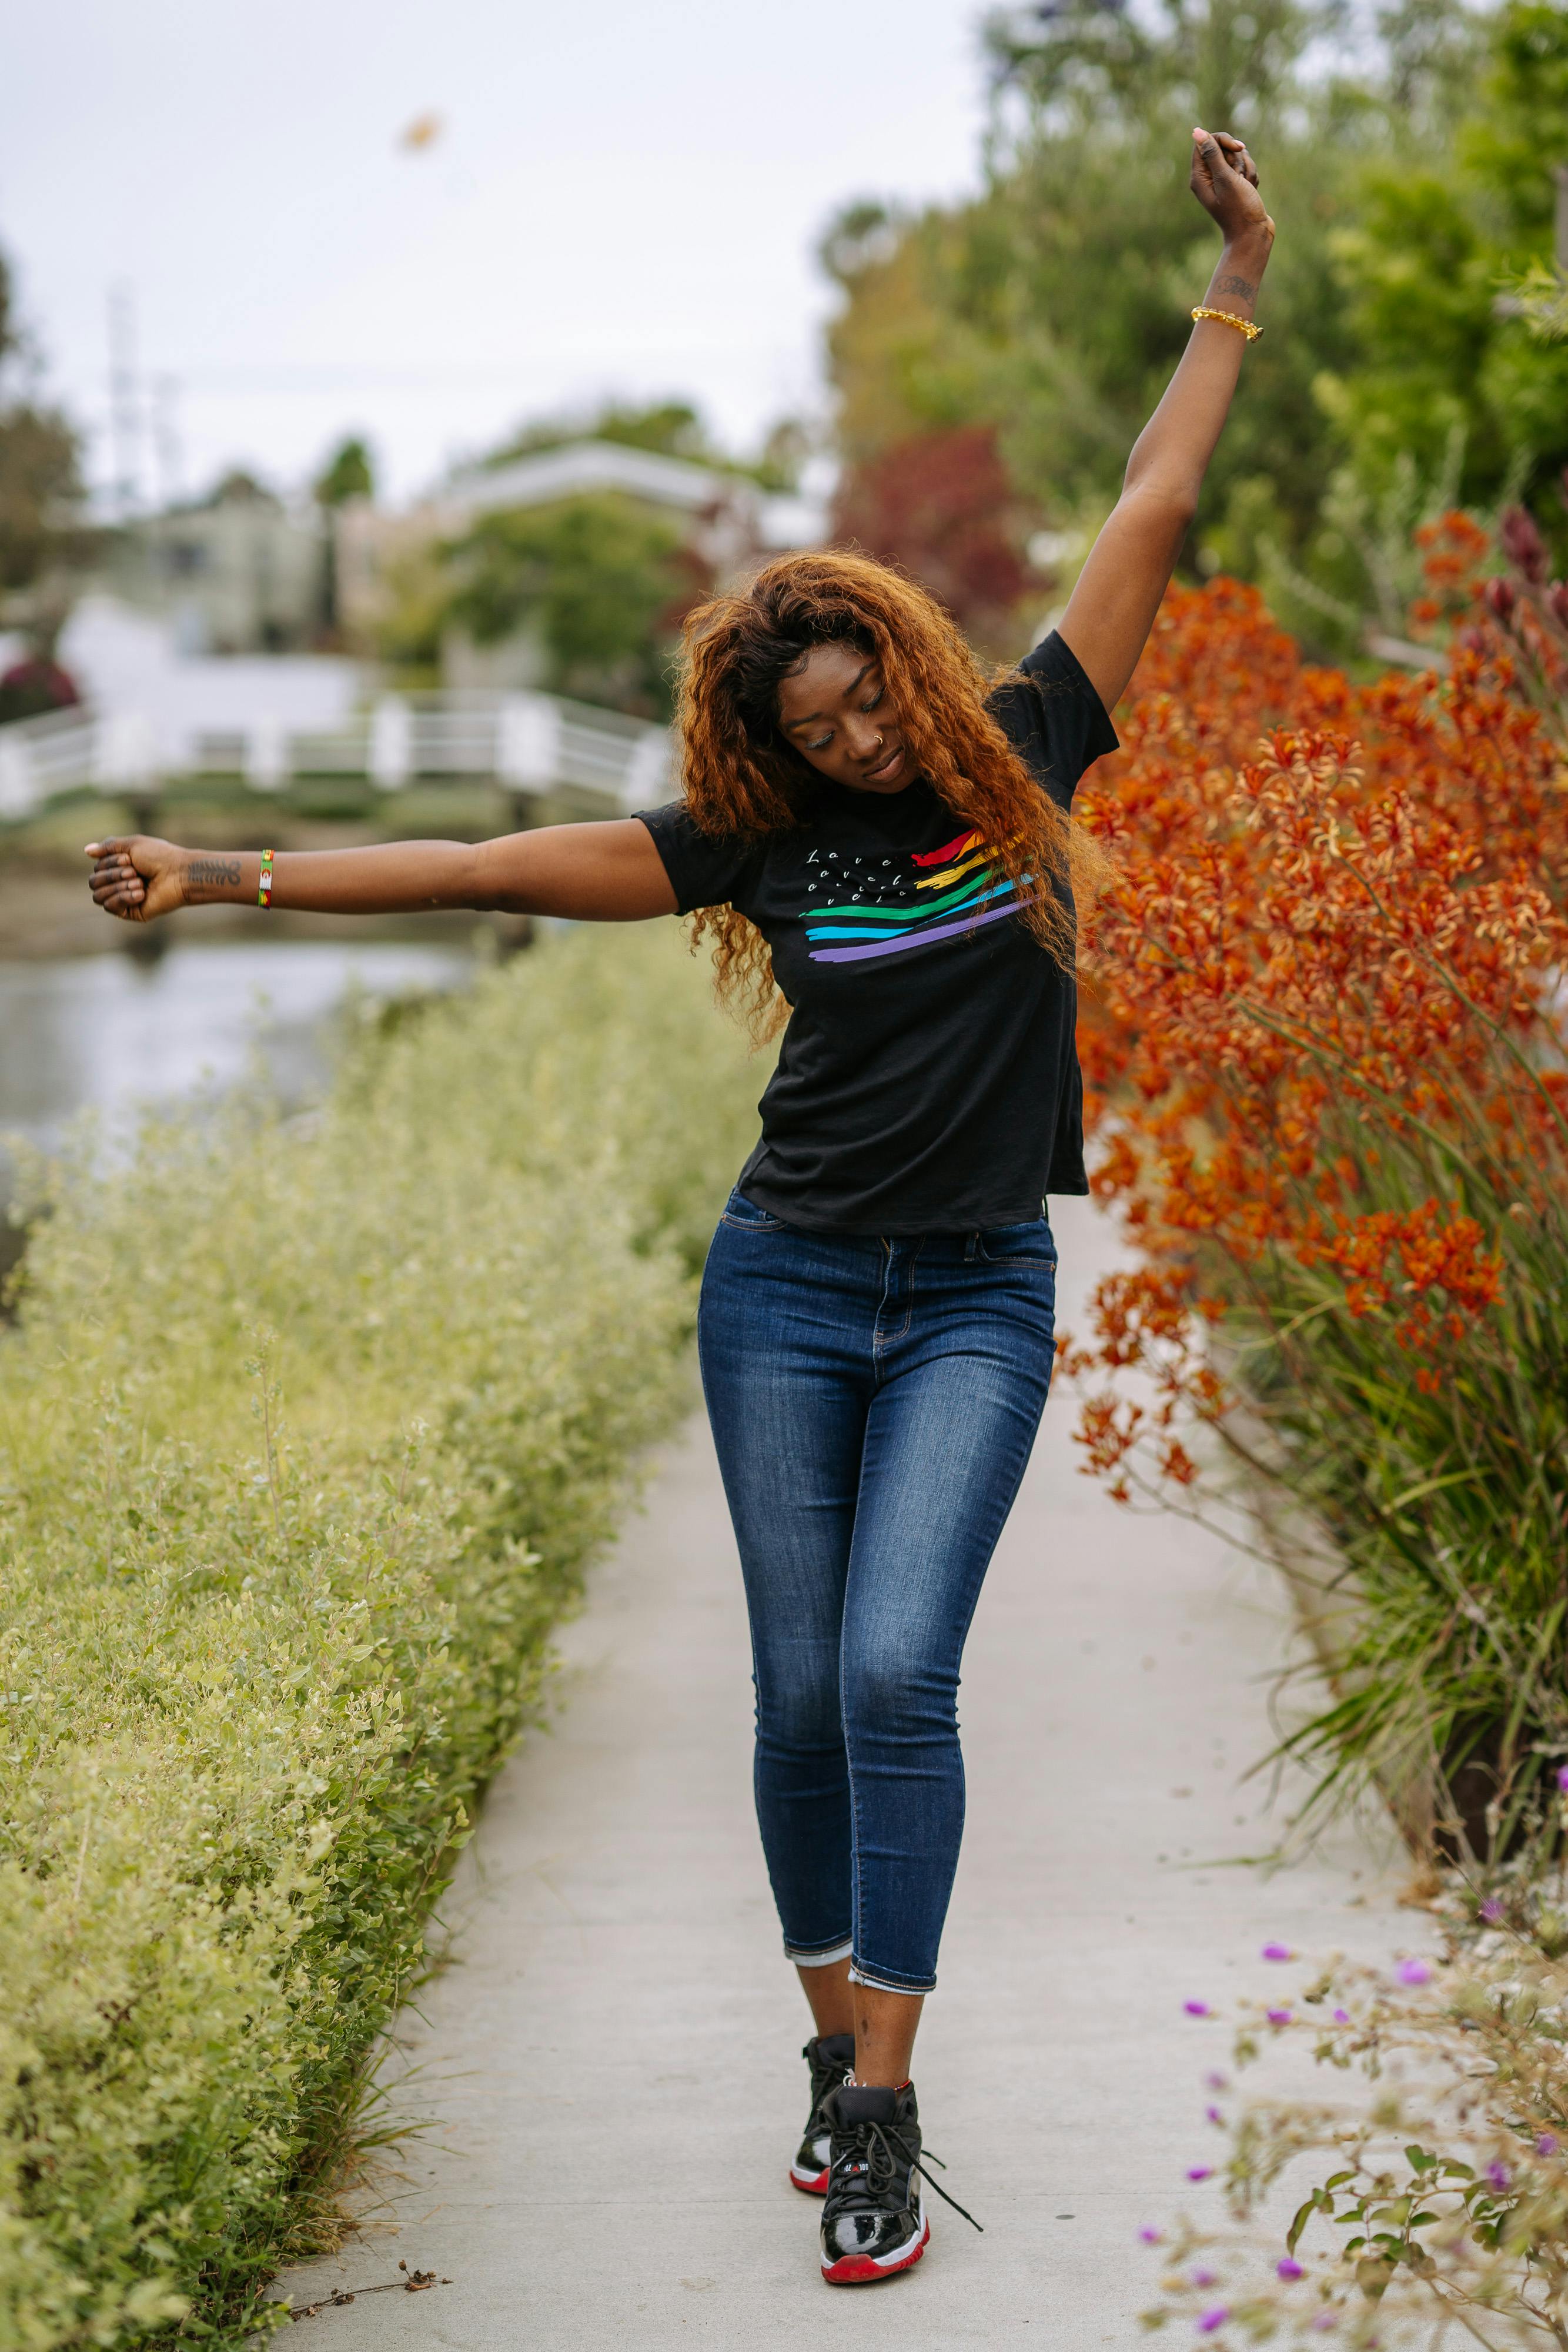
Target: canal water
[[108, 1033]]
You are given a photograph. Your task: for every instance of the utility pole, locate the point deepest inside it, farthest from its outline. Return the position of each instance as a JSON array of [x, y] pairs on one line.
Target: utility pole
[[167, 451], [124, 402]]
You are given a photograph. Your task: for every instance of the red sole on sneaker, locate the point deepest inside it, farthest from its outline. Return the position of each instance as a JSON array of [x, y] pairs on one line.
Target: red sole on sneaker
[[814, 2184], [862, 2270]]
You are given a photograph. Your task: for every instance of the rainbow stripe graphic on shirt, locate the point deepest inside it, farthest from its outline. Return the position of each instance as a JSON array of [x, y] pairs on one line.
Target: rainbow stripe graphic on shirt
[[878, 912]]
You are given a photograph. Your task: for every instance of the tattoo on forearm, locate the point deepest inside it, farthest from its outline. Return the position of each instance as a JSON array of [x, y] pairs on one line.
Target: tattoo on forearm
[[1242, 287], [211, 873]]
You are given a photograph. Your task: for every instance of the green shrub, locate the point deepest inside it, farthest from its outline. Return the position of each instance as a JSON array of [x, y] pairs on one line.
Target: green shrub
[[307, 1428]]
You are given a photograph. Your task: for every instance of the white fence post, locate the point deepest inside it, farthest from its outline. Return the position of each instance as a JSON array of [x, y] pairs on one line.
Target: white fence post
[[648, 771], [17, 791], [391, 761], [122, 750], [267, 756], [528, 748]]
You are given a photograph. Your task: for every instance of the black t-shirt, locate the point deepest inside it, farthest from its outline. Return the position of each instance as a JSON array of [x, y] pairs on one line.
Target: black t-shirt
[[928, 1079]]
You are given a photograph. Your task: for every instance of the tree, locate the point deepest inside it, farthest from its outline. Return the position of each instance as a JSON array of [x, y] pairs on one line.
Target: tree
[[1053, 307], [942, 508], [1415, 349], [1518, 141], [349, 473], [1093, 65], [602, 581], [1442, 348], [41, 530], [40, 485]]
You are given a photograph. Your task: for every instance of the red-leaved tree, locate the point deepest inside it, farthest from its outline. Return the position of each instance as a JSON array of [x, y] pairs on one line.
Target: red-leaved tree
[[942, 508]]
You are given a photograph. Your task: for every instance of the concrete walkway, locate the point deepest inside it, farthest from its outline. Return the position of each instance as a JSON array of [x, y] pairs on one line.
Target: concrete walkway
[[609, 2073]]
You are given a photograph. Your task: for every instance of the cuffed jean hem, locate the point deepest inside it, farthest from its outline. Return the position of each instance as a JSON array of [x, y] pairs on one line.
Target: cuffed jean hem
[[878, 1980], [804, 1959]]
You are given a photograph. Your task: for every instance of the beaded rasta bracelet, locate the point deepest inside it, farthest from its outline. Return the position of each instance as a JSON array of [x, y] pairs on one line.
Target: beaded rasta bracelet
[[264, 888], [1248, 326]]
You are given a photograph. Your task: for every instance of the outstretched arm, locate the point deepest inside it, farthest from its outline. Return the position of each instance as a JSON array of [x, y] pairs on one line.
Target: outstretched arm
[[608, 873], [1112, 607]]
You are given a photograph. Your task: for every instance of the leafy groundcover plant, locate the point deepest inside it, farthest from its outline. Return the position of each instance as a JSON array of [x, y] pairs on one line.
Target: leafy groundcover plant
[[307, 1430]]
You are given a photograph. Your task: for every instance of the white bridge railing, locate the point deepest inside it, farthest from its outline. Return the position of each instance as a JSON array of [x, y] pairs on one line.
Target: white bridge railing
[[527, 742]]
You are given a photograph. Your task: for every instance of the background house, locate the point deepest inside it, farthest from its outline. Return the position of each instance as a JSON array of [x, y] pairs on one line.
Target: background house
[[485, 565], [239, 571]]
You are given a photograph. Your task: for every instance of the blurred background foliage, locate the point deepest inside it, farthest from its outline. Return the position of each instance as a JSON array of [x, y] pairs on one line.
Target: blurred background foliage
[[598, 581], [1415, 177], [40, 462], [991, 359], [602, 581]]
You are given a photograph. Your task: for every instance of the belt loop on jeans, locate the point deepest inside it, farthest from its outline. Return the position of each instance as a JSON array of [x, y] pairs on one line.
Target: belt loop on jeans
[[971, 1248]]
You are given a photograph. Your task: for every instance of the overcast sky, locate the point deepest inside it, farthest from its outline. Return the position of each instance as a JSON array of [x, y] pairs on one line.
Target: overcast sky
[[623, 197]]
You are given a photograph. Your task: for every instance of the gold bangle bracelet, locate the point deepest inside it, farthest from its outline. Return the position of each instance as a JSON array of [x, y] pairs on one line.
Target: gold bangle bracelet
[[1247, 327]]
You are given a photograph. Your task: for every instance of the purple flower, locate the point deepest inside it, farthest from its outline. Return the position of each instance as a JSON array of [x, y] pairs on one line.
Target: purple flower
[[1323, 2321], [1213, 2116], [1218, 2082], [1491, 1910], [1342, 2017], [1196, 2008], [1563, 1776], [1414, 1972], [1289, 2269], [1277, 1952], [1498, 2173], [1210, 2320], [1200, 2172], [1547, 2144], [1279, 2017], [1204, 2278]]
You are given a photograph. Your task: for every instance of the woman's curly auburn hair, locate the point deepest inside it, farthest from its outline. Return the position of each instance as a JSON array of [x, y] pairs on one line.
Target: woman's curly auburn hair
[[743, 777]]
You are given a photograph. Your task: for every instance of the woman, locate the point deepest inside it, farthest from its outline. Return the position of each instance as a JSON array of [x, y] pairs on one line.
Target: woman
[[869, 835]]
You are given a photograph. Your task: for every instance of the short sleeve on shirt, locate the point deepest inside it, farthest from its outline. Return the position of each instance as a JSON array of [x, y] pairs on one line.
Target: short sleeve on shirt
[[706, 869], [1054, 718]]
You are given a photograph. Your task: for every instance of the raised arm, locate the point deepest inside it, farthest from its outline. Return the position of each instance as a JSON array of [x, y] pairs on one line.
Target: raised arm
[[1112, 607], [608, 873]]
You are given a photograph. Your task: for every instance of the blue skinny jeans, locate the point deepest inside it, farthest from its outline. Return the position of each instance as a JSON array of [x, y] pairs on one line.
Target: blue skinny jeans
[[873, 1404]]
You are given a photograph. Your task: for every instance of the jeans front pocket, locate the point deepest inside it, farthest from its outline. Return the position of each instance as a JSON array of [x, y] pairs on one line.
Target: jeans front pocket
[[1031, 1244], [745, 1217]]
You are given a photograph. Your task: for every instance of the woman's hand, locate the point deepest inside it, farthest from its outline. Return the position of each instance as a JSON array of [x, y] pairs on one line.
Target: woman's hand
[[139, 877], [1225, 180]]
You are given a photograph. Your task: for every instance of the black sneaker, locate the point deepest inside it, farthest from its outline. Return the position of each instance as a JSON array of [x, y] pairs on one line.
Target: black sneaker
[[830, 2057], [874, 2224]]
